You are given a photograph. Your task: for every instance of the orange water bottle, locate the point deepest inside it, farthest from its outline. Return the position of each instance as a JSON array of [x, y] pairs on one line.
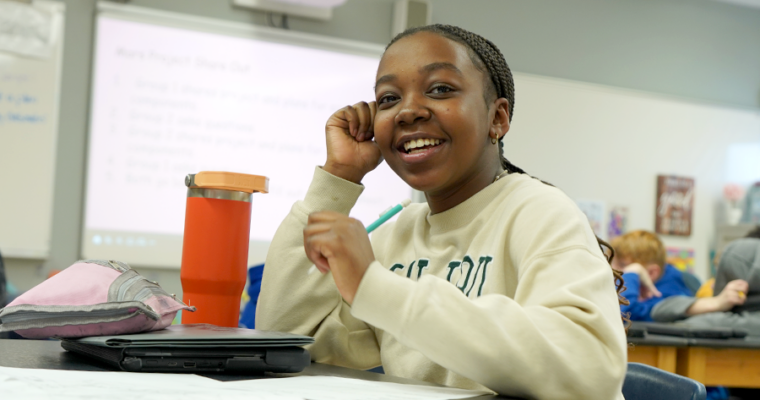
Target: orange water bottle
[[215, 244]]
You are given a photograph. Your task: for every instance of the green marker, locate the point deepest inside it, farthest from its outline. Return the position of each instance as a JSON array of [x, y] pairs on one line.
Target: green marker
[[388, 214]]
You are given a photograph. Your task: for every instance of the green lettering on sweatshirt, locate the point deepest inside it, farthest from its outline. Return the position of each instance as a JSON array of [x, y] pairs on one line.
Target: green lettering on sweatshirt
[[480, 273], [422, 264], [466, 260], [487, 260], [452, 266], [409, 272]]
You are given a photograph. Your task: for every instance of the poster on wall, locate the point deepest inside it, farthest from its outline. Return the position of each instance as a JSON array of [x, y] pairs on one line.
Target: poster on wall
[[681, 257], [594, 210], [618, 222], [675, 201]]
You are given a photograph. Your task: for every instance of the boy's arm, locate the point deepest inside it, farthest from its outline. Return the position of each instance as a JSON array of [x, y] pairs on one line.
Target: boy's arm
[[672, 309], [637, 310], [734, 294], [293, 300], [680, 307], [634, 277]]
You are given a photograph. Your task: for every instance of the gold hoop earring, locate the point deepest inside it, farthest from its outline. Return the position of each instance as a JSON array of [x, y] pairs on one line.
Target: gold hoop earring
[[494, 140]]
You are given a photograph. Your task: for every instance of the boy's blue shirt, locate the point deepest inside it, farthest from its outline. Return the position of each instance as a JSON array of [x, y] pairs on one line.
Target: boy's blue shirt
[[671, 284]]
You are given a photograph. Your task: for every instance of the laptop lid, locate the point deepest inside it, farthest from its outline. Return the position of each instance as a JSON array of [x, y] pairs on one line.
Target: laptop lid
[[237, 360], [199, 335]]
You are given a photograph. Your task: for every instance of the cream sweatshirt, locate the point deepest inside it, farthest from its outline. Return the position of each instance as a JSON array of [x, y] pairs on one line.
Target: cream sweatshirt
[[507, 291]]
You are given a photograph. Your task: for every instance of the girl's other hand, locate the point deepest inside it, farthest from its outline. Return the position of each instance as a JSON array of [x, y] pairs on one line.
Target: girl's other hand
[[647, 290], [340, 244], [351, 152]]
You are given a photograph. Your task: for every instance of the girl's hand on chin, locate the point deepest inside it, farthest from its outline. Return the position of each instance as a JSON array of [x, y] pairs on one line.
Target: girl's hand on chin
[[351, 152], [340, 244]]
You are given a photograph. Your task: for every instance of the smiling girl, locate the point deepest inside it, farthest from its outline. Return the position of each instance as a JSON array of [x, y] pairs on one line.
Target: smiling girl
[[496, 282]]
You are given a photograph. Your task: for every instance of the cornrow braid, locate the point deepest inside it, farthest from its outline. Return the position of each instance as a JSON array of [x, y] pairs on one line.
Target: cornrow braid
[[489, 60]]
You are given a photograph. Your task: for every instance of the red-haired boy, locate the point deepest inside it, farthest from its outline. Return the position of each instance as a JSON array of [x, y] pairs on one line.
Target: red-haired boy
[[640, 255]]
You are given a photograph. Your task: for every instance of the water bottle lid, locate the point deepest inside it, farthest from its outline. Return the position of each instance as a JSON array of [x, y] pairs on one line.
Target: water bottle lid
[[228, 181]]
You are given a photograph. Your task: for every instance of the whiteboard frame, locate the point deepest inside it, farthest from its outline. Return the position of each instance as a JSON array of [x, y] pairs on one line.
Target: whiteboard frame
[[248, 31]]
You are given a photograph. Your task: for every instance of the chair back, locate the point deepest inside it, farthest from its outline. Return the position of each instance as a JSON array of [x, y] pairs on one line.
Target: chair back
[[691, 282], [643, 382]]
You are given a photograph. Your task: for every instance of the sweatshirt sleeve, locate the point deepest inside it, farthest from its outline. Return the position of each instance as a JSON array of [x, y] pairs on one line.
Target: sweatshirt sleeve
[[508, 345], [638, 310], [672, 309], [292, 300]]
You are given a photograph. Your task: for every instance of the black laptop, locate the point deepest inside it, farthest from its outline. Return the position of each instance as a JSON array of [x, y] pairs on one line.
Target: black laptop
[[198, 348]]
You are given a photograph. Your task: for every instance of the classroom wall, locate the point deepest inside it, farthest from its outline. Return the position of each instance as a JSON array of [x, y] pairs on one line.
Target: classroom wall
[[609, 144], [698, 50]]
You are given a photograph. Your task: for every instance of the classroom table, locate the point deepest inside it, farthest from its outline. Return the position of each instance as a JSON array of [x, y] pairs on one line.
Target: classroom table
[[656, 350], [713, 362], [722, 362], [48, 354]]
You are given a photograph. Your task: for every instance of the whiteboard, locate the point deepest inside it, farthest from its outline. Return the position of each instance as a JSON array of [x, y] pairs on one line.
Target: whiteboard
[[29, 96], [174, 95]]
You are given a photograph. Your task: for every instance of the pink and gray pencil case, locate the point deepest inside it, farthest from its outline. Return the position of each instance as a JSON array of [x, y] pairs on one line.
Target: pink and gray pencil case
[[91, 298]]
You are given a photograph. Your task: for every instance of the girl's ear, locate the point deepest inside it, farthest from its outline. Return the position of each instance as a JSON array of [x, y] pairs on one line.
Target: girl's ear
[[500, 120]]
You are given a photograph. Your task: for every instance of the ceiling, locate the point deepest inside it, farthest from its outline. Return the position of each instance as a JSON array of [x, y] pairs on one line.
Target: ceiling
[[747, 3]]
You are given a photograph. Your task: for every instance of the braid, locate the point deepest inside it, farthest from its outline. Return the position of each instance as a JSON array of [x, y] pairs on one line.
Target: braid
[[489, 60]]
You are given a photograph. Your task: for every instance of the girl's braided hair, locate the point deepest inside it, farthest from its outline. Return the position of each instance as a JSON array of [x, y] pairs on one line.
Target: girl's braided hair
[[491, 62]]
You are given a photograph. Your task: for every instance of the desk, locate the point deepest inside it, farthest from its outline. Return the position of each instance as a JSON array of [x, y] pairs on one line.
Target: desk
[[722, 362], [657, 351], [48, 354], [713, 362]]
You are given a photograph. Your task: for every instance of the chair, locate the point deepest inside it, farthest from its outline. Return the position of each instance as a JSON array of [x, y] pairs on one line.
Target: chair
[[691, 281], [643, 382]]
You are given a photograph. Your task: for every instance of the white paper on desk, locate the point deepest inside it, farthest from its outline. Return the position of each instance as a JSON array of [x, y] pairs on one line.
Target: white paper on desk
[[26, 30], [335, 388], [33, 384]]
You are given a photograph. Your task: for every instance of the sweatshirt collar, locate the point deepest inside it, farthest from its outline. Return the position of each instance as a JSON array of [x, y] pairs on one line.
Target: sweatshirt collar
[[466, 211]]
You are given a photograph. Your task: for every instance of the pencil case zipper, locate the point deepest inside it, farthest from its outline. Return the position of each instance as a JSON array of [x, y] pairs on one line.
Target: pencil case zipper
[[29, 315]]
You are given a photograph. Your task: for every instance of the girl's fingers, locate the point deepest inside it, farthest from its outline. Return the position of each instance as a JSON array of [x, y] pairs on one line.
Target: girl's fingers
[[316, 229], [323, 216], [370, 132], [316, 252], [322, 264], [373, 112], [365, 119], [350, 115], [322, 270]]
